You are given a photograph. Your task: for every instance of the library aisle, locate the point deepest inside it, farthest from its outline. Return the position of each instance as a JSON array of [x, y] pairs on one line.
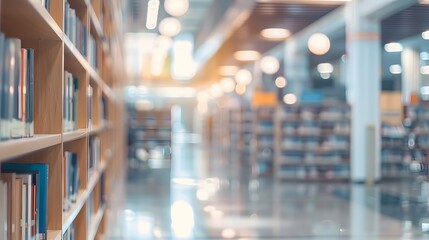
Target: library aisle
[[217, 204]]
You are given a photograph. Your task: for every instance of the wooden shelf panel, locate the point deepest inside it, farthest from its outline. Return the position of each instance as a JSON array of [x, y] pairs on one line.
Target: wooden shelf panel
[[54, 235], [95, 24], [17, 147], [27, 19], [70, 216], [74, 135], [96, 220]]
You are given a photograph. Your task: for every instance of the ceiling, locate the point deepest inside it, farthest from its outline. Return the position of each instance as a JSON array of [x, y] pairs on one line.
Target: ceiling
[[204, 16]]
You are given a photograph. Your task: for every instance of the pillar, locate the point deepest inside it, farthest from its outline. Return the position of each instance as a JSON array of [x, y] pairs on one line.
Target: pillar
[[410, 73], [363, 78]]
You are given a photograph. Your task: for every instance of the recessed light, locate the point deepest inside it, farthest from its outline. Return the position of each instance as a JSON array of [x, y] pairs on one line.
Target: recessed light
[[395, 69], [424, 70], [270, 64], [281, 82], [228, 70], [425, 35], [170, 27], [275, 33], [393, 47], [319, 44], [247, 55], [243, 77]]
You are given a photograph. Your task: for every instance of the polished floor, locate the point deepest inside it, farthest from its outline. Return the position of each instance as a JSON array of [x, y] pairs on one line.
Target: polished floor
[[207, 197]]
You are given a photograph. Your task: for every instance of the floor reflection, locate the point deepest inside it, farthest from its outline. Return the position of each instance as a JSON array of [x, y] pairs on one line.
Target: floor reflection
[[197, 200]]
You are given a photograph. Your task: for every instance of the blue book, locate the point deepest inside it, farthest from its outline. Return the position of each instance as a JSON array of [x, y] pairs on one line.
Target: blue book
[[42, 172], [4, 93], [30, 95]]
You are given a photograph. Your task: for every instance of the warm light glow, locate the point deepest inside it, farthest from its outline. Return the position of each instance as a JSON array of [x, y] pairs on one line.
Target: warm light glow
[[243, 77], [202, 108], [176, 8], [182, 219], [152, 14], [281, 82], [216, 214], [290, 98], [325, 68], [228, 233], [424, 70], [227, 84], [393, 47], [203, 194], [425, 35], [240, 89], [248, 55], [319, 44], [184, 66], [216, 90], [170, 27], [228, 70], [275, 33], [395, 69], [143, 105], [270, 64]]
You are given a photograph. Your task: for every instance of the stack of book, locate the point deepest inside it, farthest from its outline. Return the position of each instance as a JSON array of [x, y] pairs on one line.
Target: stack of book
[[70, 233], [24, 195], [16, 89], [71, 179], [75, 29], [93, 52], [70, 101]]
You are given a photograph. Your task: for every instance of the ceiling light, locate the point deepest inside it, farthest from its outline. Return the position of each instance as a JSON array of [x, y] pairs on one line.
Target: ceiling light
[[240, 89], [424, 70], [170, 27], [319, 44], [152, 14], [281, 82], [424, 56], [216, 90], [395, 69], [247, 55], [393, 47], [176, 8], [290, 98], [228, 70], [227, 84], [325, 68], [325, 75], [425, 35], [275, 33], [269, 65], [243, 77]]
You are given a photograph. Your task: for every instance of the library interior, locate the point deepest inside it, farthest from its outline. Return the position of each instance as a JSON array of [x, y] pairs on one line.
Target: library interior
[[214, 119]]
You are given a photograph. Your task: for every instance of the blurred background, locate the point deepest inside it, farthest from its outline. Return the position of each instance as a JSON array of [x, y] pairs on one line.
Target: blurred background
[[276, 119]]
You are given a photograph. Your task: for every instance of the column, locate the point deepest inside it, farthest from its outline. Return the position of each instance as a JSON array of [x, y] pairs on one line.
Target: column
[[363, 78], [297, 70], [410, 73]]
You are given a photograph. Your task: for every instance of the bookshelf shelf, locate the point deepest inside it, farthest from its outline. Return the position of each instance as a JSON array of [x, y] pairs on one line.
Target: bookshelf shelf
[[93, 227], [95, 23], [74, 135], [97, 129], [17, 147], [54, 235], [33, 19]]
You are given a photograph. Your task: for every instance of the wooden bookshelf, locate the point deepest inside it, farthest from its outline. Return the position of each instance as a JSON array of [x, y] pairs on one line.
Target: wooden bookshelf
[[44, 31]]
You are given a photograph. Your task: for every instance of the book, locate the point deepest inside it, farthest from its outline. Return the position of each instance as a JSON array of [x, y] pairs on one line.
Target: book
[[13, 218], [4, 91], [3, 210], [90, 93], [41, 172], [30, 93], [26, 205], [70, 102], [17, 129], [75, 29], [71, 179]]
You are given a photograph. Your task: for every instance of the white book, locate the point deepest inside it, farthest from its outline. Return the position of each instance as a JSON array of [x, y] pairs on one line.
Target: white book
[[3, 210], [26, 221]]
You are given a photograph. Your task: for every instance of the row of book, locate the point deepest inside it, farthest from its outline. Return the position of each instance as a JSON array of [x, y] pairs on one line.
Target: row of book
[[24, 198], [70, 102], [70, 233], [71, 179], [94, 158], [93, 60], [16, 89], [75, 29]]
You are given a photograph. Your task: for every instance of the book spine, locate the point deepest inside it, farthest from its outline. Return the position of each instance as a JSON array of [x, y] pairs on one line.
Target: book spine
[[16, 130], [24, 92], [30, 96], [4, 90]]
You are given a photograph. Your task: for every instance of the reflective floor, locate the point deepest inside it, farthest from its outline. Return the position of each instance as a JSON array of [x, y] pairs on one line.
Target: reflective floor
[[200, 199]]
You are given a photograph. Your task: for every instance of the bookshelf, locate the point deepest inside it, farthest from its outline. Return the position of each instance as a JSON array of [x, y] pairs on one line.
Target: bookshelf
[[312, 142], [97, 128]]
